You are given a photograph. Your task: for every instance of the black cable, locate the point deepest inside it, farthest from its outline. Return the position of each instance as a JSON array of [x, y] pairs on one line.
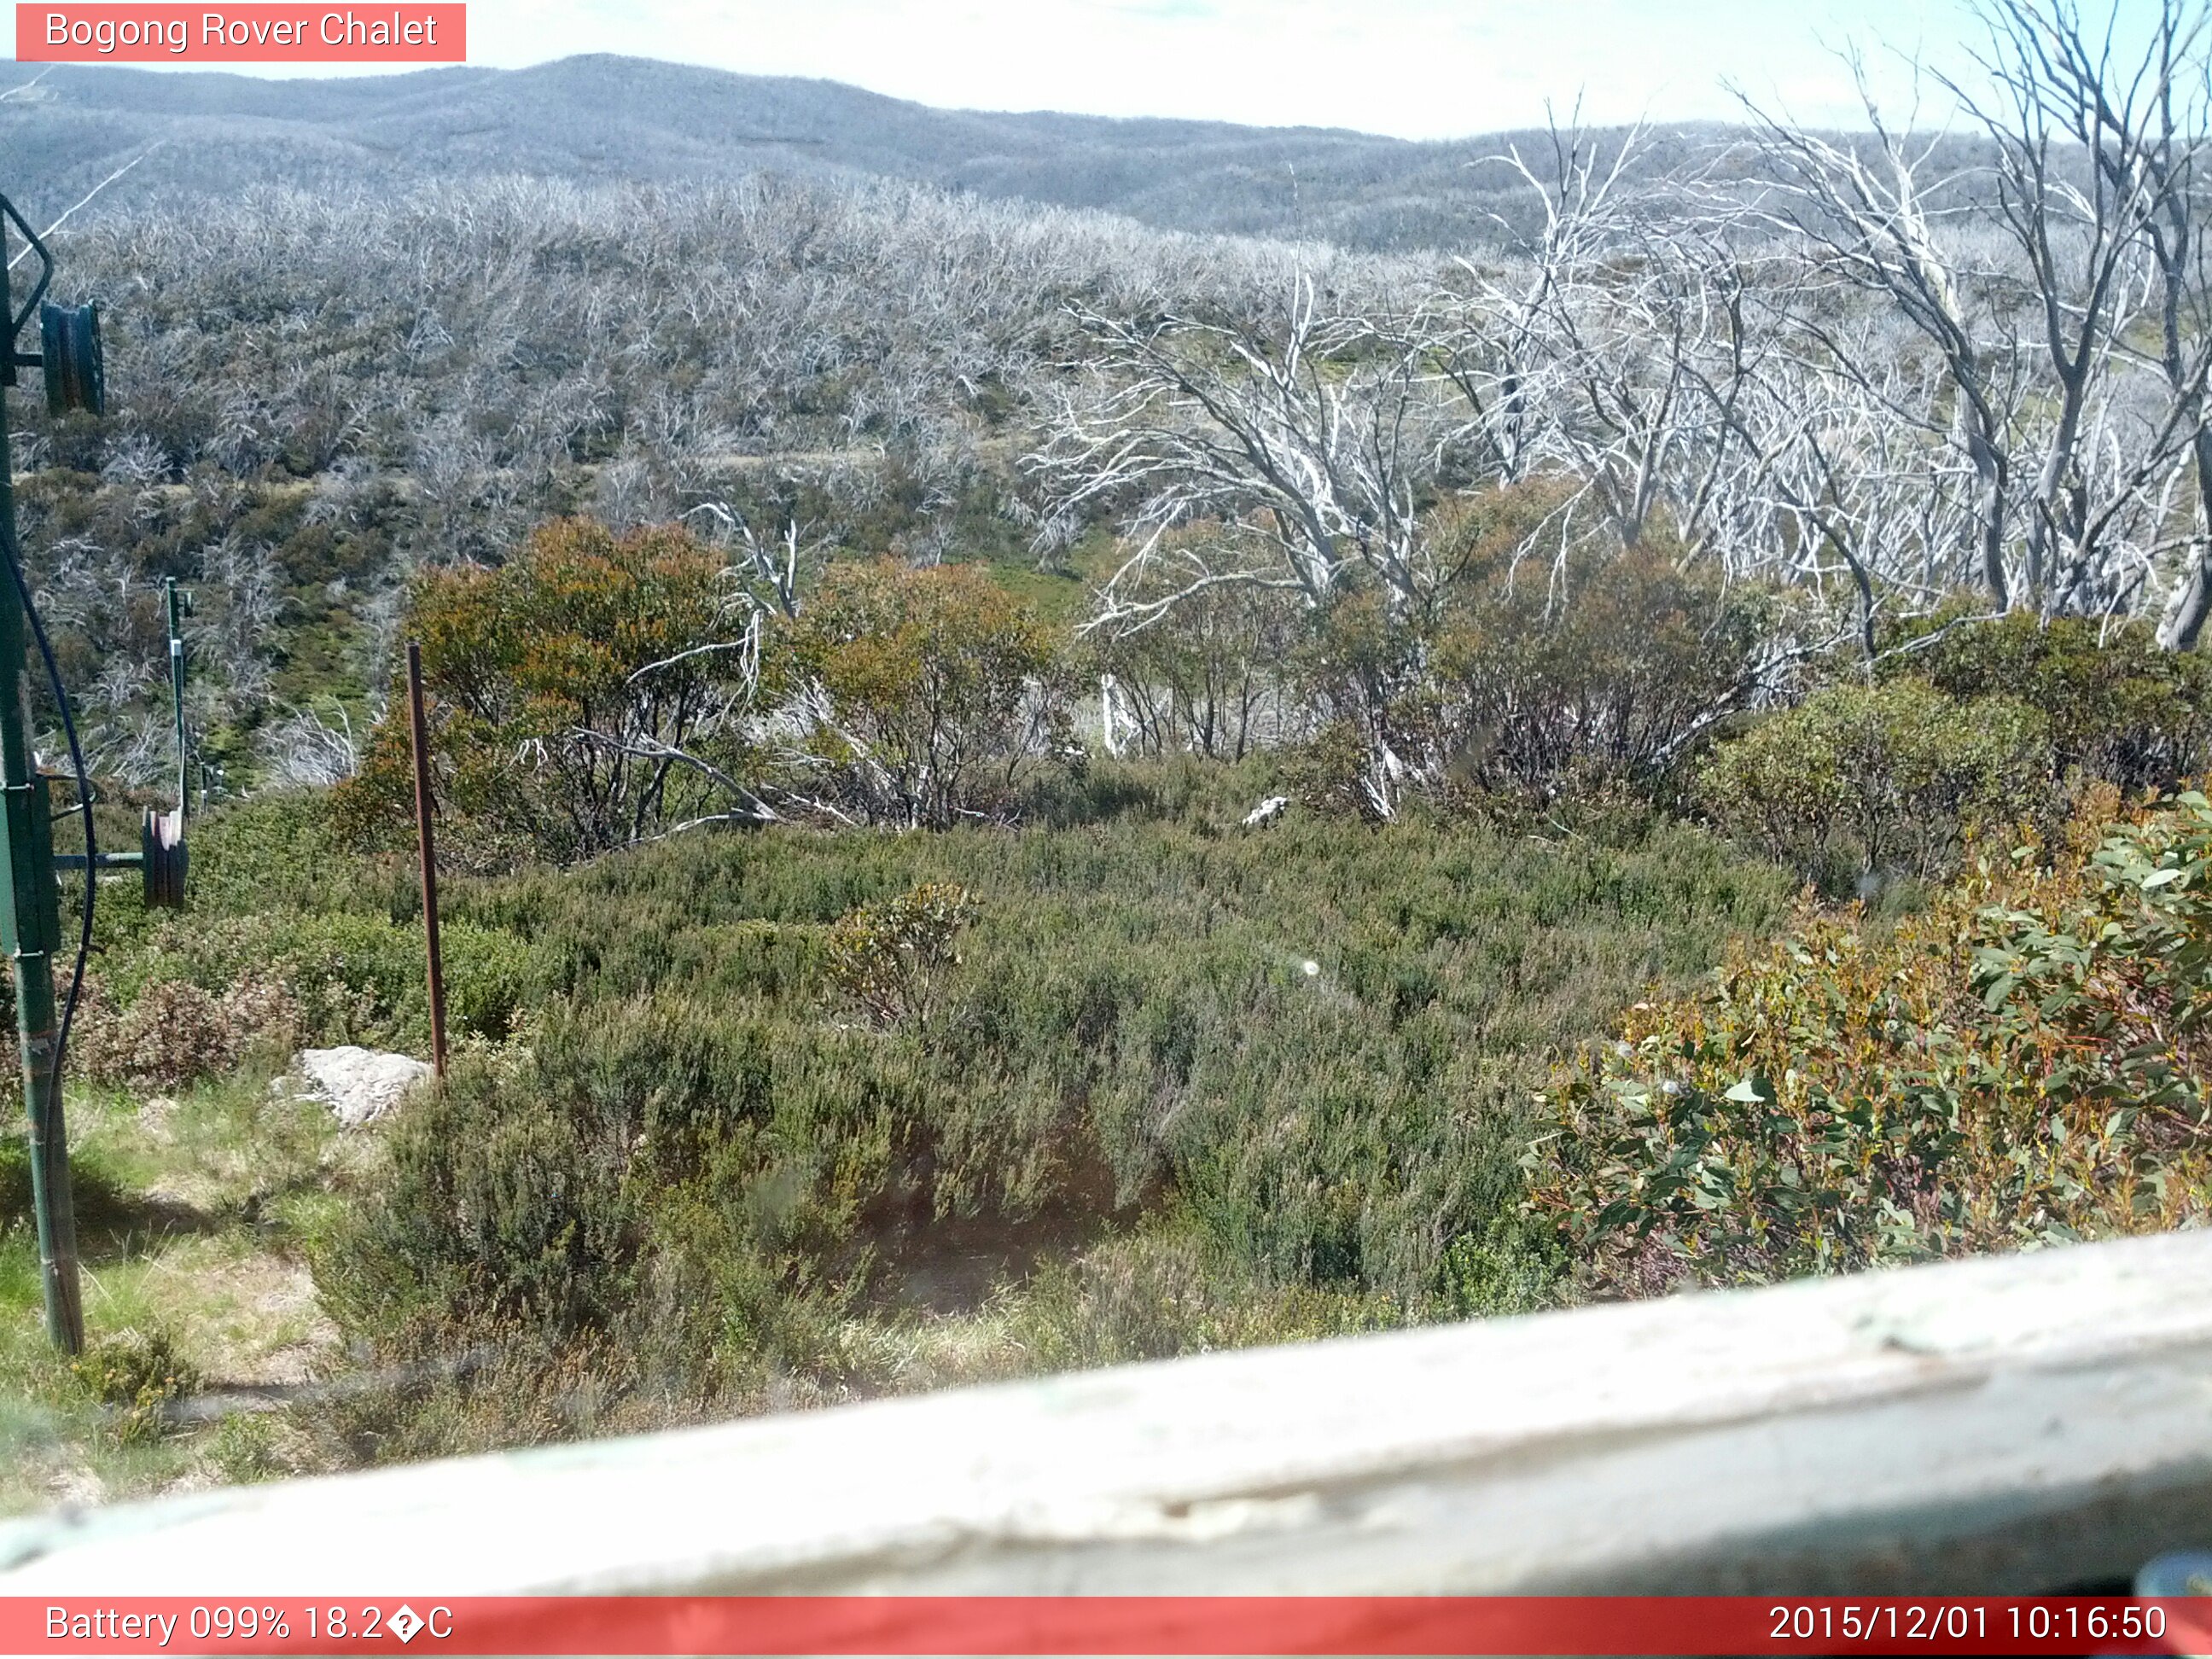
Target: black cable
[[15, 555]]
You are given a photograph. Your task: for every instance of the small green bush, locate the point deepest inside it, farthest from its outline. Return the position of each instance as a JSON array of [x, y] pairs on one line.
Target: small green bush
[[1206, 675], [1861, 779], [282, 853], [1168, 1289], [1334, 772], [250, 1447], [352, 977], [892, 958], [137, 1374], [1526, 679], [15, 1165], [1608, 668], [656, 1174]]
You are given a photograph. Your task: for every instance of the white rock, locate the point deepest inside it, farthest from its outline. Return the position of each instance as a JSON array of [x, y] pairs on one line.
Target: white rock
[[359, 1084]]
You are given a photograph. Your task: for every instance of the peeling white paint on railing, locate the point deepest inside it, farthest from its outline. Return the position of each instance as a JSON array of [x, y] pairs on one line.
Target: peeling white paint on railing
[[2002, 1426]]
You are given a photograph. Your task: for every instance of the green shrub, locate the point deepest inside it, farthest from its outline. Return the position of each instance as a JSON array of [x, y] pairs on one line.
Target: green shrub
[[281, 852], [15, 1165], [655, 1174], [892, 958], [1359, 669], [1313, 1047], [1334, 772], [1861, 779], [136, 1374], [1205, 676], [250, 1447], [1528, 678], [1606, 667], [2026, 1061], [1169, 1289], [352, 977], [2116, 706]]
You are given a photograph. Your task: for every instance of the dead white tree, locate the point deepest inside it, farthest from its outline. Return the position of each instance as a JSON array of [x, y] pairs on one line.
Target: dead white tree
[[2093, 158], [1876, 222], [1496, 341], [1869, 501], [1310, 438], [772, 569], [303, 749], [2153, 138], [2060, 286], [1616, 352]]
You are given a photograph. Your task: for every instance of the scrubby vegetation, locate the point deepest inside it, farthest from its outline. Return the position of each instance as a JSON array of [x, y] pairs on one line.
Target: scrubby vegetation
[[792, 1095], [787, 1112], [791, 1113], [1144, 795]]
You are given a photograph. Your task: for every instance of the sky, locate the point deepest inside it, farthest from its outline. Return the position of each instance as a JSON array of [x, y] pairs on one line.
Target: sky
[[1414, 68]]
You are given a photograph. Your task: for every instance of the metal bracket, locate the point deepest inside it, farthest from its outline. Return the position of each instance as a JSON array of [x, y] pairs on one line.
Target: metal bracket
[[71, 360], [164, 858], [32, 928], [10, 360]]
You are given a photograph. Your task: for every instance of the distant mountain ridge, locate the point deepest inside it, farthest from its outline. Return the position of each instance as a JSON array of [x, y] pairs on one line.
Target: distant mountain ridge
[[606, 118]]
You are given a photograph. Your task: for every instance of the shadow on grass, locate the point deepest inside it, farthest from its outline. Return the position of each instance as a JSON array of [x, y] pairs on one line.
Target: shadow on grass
[[956, 1264], [113, 1224]]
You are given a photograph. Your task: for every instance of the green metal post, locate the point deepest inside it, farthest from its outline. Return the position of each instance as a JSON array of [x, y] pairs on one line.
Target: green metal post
[[177, 694], [30, 932]]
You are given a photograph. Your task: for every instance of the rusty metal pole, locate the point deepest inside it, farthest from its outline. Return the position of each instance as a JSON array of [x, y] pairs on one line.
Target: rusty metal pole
[[422, 733]]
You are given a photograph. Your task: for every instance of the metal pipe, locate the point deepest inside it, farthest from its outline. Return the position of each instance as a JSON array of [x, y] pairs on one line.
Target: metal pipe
[[177, 695], [421, 727], [30, 924]]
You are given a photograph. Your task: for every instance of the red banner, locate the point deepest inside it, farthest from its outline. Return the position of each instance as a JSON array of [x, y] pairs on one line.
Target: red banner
[[259, 33], [1101, 1624]]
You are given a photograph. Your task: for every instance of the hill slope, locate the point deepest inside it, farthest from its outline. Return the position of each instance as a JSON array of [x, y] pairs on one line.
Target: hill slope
[[604, 118]]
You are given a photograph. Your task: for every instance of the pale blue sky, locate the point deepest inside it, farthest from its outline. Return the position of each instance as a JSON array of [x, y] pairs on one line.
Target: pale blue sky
[[1418, 69]]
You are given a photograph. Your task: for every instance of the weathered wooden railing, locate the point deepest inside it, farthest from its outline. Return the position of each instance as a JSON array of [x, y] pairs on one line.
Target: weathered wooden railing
[[2028, 1424]]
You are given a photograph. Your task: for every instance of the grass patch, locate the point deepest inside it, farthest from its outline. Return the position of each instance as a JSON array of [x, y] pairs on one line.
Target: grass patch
[[192, 1215]]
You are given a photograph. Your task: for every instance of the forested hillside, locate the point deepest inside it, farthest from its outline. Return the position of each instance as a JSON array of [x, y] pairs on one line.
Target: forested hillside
[[602, 119], [315, 396]]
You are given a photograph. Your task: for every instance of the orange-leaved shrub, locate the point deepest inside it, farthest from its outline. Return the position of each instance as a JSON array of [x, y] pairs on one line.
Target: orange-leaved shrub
[[929, 693], [581, 696]]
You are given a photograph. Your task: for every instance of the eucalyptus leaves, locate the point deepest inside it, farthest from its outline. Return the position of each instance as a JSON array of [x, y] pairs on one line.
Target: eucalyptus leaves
[[2022, 1062]]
